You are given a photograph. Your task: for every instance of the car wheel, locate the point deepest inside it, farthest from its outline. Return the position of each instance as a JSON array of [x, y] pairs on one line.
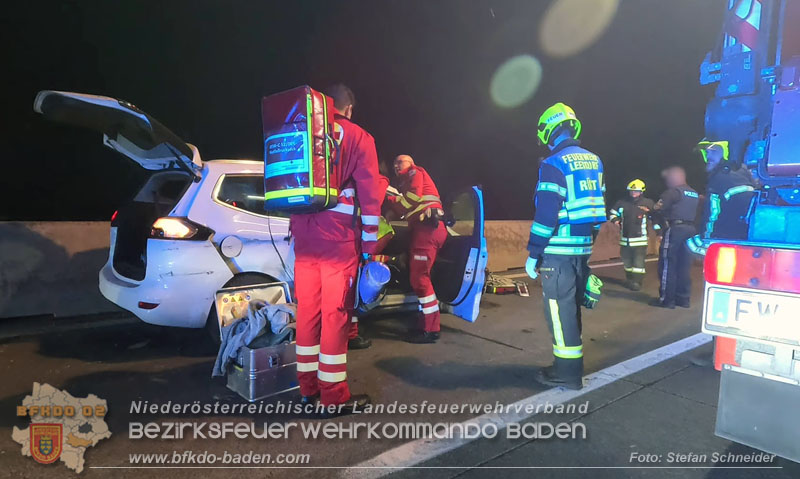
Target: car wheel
[[244, 279]]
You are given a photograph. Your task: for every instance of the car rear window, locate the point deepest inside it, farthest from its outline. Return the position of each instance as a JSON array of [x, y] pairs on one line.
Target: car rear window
[[244, 192]]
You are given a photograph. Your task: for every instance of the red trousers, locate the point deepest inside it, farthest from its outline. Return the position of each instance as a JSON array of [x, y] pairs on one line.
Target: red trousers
[[325, 275], [353, 325], [426, 241]]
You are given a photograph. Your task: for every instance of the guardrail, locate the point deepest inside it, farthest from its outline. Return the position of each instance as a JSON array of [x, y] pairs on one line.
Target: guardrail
[[51, 267]]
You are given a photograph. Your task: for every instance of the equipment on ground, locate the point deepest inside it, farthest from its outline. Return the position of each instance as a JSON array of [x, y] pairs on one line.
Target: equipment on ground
[[300, 152], [268, 366], [496, 284]]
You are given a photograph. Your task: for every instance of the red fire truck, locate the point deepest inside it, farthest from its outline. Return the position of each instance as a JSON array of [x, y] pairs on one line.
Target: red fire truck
[[752, 289]]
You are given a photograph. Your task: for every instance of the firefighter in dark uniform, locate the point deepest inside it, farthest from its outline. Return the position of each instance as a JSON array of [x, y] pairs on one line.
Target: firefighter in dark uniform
[[729, 195], [569, 204], [677, 208], [631, 214]]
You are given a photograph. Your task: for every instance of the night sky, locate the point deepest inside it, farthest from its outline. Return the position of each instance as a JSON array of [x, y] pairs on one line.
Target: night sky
[[420, 70]]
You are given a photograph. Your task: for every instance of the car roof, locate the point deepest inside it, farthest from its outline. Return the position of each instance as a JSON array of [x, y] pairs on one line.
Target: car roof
[[238, 166], [234, 160]]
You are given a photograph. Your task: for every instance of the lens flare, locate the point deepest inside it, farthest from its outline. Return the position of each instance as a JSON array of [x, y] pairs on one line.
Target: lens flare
[[570, 26], [515, 81]]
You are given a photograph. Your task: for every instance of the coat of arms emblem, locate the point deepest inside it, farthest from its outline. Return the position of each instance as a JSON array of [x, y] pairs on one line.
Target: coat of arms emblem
[[46, 441]]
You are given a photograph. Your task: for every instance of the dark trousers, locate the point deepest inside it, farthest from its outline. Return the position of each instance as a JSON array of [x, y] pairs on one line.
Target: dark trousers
[[674, 264], [564, 284], [633, 262]]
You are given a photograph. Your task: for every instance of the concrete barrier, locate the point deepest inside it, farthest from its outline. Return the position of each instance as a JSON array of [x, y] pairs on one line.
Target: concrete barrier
[[52, 267], [507, 240]]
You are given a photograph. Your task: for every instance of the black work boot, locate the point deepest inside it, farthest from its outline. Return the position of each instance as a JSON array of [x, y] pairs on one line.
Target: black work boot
[[636, 284], [628, 281], [567, 373], [354, 404], [359, 342], [682, 302], [662, 304], [306, 400], [422, 337]]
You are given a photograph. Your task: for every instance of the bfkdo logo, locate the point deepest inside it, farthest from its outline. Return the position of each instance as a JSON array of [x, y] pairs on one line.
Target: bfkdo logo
[[61, 426], [46, 442]]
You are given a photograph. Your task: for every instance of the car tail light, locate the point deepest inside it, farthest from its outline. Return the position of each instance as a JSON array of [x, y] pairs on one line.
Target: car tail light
[[144, 305], [179, 229], [114, 216], [770, 269]]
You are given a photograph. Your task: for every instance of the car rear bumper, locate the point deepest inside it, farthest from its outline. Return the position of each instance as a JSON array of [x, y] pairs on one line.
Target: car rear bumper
[[181, 279]]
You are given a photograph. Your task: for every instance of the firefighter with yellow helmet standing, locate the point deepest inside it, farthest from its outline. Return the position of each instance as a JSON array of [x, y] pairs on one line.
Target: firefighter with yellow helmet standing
[[569, 204], [730, 191], [631, 214]]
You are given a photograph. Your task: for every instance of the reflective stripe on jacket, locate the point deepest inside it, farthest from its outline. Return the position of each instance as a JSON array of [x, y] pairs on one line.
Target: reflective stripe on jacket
[[418, 194], [569, 202], [630, 213]]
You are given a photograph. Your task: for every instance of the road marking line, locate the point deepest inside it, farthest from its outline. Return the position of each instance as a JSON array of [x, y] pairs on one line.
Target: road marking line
[[593, 266], [421, 450]]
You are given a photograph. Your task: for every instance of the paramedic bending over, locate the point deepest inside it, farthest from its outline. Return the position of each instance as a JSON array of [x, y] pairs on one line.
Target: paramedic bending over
[[420, 205]]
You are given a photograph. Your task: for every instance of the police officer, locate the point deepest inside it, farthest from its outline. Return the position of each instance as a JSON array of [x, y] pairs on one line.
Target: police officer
[[631, 214], [729, 195], [569, 204], [677, 208]]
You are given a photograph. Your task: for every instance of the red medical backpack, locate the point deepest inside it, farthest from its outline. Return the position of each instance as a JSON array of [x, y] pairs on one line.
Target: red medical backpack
[[300, 154]]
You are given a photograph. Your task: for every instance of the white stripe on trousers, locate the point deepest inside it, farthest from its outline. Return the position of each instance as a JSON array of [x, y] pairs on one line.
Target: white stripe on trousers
[[307, 367], [307, 350], [665, 263], [431, 309], [331, 377], [333, 358], [427, 299]]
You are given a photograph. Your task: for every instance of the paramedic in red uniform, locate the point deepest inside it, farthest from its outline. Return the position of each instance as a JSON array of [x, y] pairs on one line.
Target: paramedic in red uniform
[[328, 247], [420, 205]]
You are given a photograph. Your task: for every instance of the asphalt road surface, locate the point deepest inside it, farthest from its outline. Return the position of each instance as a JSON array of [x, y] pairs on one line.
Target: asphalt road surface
[[669, 407]]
